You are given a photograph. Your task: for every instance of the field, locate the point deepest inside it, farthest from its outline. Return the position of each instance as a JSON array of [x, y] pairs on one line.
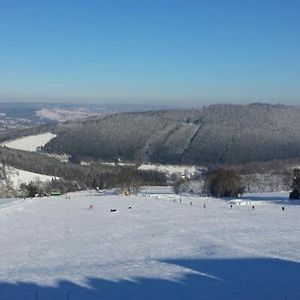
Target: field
[[58, 248], [30, 143], [17, 177]]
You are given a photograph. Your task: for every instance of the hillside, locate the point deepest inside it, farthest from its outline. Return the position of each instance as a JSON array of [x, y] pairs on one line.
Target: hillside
[[225, 134]]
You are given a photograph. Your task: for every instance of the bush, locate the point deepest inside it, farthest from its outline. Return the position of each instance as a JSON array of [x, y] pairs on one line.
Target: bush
[[30, 189], [224, 183], [179, 185], [62, 186]]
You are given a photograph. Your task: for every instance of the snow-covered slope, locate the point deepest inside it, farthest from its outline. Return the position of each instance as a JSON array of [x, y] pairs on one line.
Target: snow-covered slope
[[57, 248], [30, 143], [16, 177]]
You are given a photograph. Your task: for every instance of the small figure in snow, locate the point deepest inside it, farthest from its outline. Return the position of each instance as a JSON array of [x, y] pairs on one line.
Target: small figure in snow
[[253, 207], [191, 203], [230, 205], [91, 207], [282, 208], [204, 206]]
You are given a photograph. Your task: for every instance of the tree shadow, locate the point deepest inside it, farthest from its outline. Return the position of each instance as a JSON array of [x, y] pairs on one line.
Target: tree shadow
[[213, 279], [284, 199], [270, 198]]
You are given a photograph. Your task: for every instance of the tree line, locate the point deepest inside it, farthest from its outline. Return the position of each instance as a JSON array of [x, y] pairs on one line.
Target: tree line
[[77, 177]]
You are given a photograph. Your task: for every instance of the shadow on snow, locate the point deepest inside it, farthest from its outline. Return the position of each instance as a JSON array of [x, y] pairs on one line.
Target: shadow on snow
[[265, 198], [213, 279]]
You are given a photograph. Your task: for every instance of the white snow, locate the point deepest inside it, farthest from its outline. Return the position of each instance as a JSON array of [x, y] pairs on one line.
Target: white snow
[[123, 164], [57, 248], [17, 177], [63, 115], [170, 169], [30, 143]]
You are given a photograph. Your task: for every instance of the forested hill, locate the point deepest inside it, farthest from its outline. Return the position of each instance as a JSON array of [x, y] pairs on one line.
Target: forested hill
[[227, 134]]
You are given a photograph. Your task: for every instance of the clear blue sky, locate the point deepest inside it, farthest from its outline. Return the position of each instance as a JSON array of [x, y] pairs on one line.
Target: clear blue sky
[[160, 51]]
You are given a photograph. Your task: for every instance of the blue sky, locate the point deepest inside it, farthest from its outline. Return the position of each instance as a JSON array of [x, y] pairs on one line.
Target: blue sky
[[150, 51]]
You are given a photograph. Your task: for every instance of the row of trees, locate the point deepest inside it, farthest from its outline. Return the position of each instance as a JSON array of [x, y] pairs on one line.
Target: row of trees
[[74, 176], [128, 179], [220, 182], [224, 182], [39, 188]]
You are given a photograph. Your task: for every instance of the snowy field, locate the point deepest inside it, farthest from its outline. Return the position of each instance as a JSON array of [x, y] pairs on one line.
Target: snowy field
[[161, 248], [30, 143], [17, 177]]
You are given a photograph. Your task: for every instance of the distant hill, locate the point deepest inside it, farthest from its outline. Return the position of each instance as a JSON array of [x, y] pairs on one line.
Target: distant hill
[[225, 134], [15, 116]]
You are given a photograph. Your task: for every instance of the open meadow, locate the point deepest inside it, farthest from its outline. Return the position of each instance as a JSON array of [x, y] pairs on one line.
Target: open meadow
[[156, 245]]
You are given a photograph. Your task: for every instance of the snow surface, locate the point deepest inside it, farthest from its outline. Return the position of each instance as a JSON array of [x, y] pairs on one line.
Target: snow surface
[[30, 143], [170, 169], [17, 177], [162, 248], [63, 115]]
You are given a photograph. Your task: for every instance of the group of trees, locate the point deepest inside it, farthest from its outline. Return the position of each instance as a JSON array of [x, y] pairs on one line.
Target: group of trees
[[180, 185], [228, 182], [74, 176], [220, 182], [43, 164], [217, 134], [39, 188], [128, 179], [224, 183]]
